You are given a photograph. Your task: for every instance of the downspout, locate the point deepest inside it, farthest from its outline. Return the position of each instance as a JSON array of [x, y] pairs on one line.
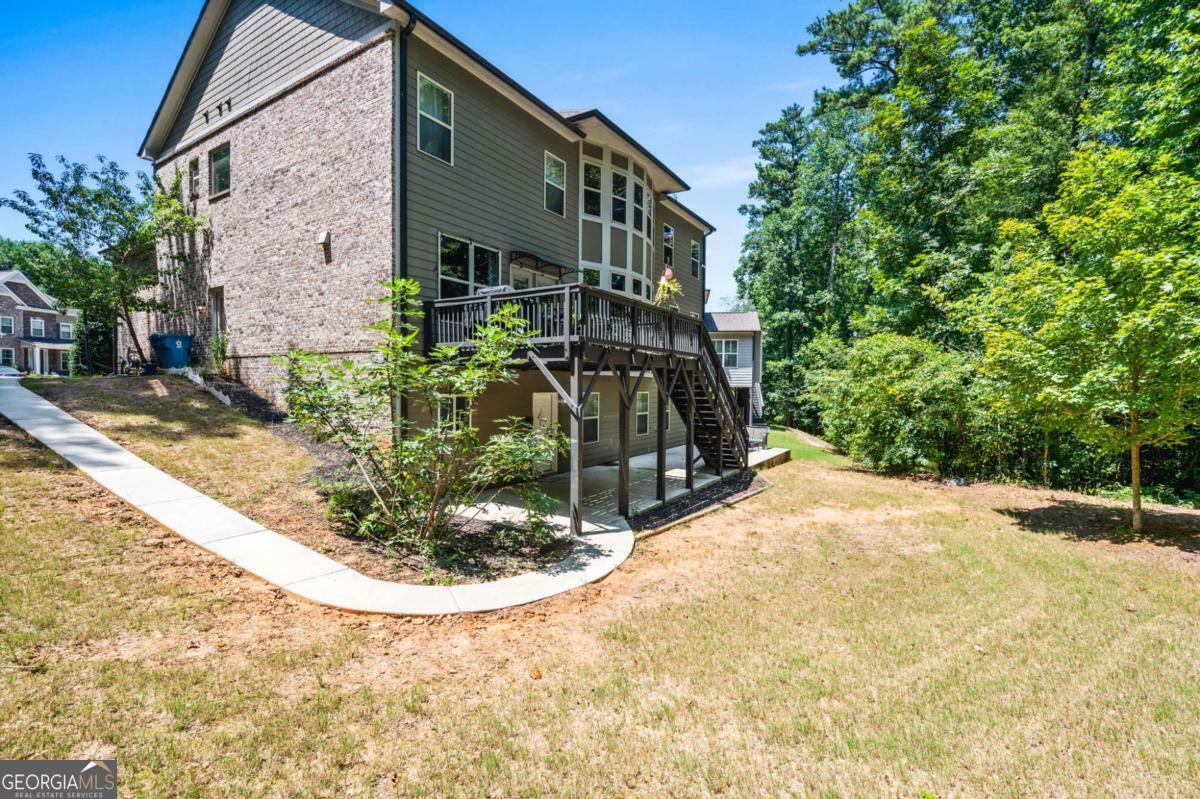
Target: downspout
[[400, 178]]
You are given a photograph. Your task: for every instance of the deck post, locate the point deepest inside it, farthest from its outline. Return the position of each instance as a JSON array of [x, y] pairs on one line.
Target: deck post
[[623, 443], [690, 445], [576, 455], [660, 482]]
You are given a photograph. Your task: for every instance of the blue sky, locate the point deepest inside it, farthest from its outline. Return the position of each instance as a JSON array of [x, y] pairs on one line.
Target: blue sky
[[693, 81]]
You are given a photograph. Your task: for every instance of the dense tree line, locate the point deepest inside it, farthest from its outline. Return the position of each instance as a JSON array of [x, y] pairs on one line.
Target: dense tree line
[[979, 253]]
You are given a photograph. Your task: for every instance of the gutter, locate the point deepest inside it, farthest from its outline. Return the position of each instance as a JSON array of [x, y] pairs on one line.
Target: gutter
[[400, 182]]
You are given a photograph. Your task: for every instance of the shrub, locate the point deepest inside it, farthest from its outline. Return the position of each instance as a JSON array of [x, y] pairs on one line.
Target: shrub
[[218, 352], [416, 471], [895, 403]]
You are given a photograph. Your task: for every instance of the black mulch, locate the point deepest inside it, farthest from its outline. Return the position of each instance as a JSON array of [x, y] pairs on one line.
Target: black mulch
[[732, 487]]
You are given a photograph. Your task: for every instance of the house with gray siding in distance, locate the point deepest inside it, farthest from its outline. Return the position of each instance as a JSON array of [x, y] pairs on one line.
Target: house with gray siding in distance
[[335, 144], [738, 339], [35, 335]]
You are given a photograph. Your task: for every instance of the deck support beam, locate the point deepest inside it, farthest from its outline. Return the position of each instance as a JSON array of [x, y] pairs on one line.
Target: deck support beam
[[660, 463], [576, 455], [623, 442], [689, 387]]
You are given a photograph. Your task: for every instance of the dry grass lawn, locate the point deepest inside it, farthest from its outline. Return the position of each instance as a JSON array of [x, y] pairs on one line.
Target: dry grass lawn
[[838, 635]]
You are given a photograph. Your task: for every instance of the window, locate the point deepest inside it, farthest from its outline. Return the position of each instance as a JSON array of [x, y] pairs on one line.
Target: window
[[37, 328], [639, 206], [642, 413], [591, 419], [194, 178], [695, 259], [7, 326], [617, 281], [218, 171], [668, 245], [465, 267], [435, 112], [216, 309], [727, 351], [593, 183], [455, 411], [64, 361], [591, 277], [7, 357], [620, 186], [556, 185], [66, 331]]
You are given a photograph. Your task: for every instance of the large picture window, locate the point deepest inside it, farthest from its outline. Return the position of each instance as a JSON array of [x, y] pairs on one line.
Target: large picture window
[[591, 418], [556, 185], [435, 112], [464, 267]]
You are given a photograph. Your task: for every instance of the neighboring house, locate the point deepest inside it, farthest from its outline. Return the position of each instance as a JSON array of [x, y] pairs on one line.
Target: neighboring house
[[737, 338], [335, 144], [34, 335]]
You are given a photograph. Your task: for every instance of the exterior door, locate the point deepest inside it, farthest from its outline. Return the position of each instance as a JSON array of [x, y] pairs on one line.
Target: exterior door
[[545, 417]]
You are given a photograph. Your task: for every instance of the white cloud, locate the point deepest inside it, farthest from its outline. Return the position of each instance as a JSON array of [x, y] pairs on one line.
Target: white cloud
[[738, 171]]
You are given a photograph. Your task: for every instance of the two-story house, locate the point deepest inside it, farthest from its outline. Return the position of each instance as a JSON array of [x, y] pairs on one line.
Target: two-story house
[[738, 338], [35, 335], [334, 144]]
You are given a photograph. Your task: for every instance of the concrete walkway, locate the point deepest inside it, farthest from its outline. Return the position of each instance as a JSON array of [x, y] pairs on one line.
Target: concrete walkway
[[291, 566]]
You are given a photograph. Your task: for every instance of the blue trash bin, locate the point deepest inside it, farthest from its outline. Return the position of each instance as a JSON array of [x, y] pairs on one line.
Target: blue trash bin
[[171, 350]]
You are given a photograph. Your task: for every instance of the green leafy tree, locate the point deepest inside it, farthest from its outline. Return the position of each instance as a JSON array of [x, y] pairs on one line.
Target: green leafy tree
[[1097, 317], [896, 403], [419, 470], [104, 236]]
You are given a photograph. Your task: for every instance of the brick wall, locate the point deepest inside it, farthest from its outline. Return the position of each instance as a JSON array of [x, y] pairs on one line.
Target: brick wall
[[318, 158]]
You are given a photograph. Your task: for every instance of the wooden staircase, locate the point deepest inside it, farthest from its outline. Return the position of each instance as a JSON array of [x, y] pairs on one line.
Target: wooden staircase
[[720, 433]]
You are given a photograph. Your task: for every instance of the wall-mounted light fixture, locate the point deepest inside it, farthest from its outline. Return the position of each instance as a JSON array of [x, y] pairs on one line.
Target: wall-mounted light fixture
[[202, 309]]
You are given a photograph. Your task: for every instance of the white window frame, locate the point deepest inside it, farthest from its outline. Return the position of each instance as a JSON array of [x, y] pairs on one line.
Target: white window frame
[[12, 325], [66, 331], [64, 360], [546, 181], [696, 258], [585, 416], [213, 194], [450, 404], [35, 323], [453, 119], [471, 247], [605, 268], [638, 413], [720, 345], [668, 244], [11, 360], [194, 179]]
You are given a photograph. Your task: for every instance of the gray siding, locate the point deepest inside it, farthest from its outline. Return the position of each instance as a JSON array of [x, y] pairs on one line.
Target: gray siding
[[493, 194], [260, 47], [692, 301]]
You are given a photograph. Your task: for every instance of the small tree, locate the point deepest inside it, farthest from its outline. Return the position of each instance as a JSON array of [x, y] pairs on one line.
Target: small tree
[[1097, 317], [421, 468], [105, 234]]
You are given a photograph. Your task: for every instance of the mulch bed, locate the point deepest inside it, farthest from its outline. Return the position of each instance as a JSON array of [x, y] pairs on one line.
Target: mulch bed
[[731, 488]]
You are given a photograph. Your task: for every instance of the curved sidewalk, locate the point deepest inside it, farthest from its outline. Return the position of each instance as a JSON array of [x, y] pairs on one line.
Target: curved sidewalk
[[279, 560]]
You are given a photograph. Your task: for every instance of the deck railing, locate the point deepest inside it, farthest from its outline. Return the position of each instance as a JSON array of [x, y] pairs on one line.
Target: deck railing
[[567, 314]]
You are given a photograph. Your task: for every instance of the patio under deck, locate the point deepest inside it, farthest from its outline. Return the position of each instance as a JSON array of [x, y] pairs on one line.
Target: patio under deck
[[602, 482]]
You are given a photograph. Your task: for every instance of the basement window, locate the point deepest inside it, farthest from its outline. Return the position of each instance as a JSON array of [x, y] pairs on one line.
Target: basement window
[[642, 410], [591, 418]]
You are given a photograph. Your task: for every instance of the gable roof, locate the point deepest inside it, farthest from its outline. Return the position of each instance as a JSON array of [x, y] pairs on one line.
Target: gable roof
[[732, 322], [403, 13], [14, 283], [601, 129]]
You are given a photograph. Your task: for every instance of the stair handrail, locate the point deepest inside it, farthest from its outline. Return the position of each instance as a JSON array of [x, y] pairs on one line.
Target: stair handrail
[[725, 396]]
